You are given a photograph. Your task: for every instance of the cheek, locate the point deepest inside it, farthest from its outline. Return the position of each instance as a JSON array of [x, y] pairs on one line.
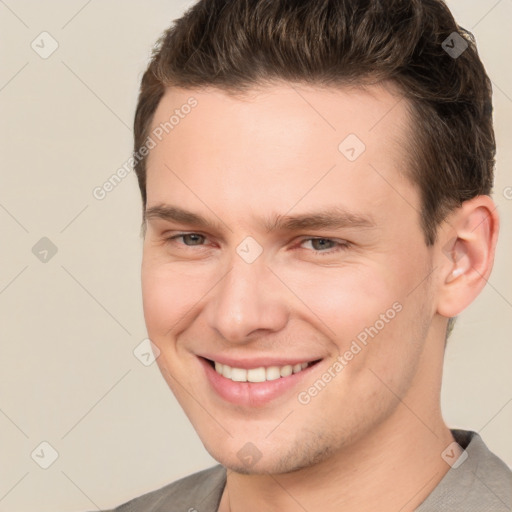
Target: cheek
[[167, 296], [345, 299], [172, 293]]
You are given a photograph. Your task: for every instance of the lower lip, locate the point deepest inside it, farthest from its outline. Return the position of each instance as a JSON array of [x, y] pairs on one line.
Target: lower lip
[[251, 394]]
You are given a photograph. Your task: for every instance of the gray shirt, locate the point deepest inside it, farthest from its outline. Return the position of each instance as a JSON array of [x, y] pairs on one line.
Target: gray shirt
[[482, 483]]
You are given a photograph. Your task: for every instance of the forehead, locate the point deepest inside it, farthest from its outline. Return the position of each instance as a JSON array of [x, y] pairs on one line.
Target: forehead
[[327, 111], [278, 145]]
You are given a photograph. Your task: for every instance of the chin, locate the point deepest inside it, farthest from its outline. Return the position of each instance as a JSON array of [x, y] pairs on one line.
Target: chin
[[272, 459]]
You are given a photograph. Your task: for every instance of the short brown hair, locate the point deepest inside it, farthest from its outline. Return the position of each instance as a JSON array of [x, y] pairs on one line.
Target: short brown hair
[[235, 45]]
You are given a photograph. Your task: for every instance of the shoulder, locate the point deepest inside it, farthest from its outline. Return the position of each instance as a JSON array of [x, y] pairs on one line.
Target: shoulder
[[199, 491], [481, 482]]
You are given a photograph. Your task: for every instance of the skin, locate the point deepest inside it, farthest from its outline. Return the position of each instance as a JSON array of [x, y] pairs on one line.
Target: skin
[[373, 437]]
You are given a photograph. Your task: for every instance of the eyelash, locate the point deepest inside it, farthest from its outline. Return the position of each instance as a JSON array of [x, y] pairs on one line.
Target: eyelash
[[342, 245]]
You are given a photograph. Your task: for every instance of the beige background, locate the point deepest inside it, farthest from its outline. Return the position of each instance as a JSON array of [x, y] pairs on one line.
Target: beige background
[[68, 375]]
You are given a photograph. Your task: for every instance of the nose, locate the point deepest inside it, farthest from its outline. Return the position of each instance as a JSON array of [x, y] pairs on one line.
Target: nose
[[249, 301]]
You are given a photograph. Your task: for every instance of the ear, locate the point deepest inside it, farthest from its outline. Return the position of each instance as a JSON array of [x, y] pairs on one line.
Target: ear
[[465, 254]]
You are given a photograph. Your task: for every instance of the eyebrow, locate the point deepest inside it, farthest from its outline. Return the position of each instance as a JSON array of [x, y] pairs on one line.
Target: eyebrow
[[330, 218]]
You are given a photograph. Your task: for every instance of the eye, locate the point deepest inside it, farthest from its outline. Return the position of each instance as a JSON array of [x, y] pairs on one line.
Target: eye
[[324, 245], [193, 238], [318, 245]]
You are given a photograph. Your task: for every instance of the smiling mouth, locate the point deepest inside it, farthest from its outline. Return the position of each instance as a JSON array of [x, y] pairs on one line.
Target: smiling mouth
[[261, 374]]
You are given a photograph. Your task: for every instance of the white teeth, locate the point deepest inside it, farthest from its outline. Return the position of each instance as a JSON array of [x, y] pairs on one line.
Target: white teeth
[[256, 375], [260, 374], [286, 370], [239, 374], [226, 371], [273, 373]]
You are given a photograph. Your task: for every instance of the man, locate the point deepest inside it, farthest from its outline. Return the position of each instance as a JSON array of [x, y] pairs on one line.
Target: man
[[316, 180]]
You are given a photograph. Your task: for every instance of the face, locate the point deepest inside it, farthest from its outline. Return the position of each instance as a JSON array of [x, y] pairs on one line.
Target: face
[[285, 271]]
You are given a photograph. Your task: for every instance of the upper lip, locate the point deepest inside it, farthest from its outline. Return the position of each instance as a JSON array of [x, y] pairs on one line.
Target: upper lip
[[257, 362]]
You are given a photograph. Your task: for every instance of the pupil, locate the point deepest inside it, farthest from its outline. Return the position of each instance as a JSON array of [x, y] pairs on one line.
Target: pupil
[[321, 243], [194, 238]]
